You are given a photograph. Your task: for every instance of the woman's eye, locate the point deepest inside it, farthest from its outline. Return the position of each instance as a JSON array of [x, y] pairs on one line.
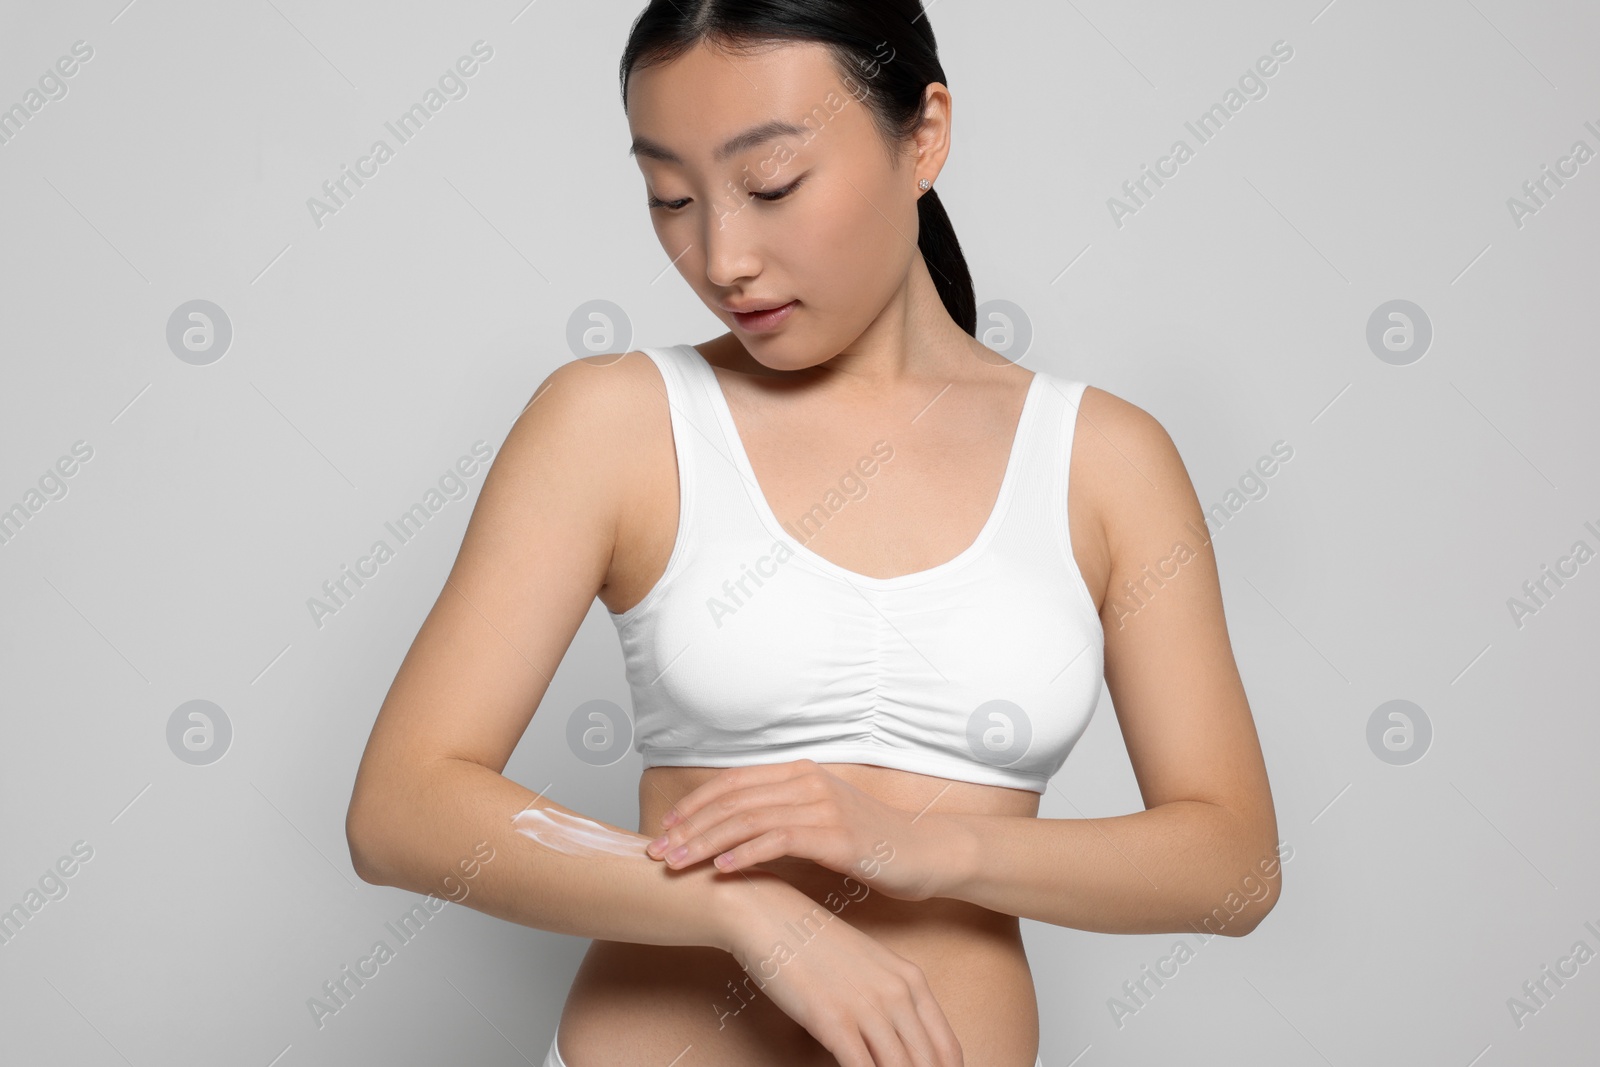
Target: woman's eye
[[779, 194]]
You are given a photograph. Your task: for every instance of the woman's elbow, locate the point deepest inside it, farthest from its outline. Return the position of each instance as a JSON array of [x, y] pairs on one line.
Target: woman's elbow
[[1254, 882], [1261, 887], [362, 838]]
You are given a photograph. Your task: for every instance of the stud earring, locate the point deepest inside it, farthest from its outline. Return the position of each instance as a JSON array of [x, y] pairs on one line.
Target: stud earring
[[924, 184]]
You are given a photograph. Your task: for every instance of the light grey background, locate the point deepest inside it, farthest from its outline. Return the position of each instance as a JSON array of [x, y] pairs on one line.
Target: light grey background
[[370, 353]]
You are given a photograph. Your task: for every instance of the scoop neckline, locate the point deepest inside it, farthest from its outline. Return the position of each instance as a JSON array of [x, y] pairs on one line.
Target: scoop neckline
[[769, 519]]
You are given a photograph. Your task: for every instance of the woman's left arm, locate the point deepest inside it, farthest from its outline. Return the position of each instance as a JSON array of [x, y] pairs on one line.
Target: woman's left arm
[[1181, 866], [1204, 853]]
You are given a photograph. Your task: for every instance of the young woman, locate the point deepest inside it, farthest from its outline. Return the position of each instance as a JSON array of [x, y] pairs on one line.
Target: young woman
[[869, 577]]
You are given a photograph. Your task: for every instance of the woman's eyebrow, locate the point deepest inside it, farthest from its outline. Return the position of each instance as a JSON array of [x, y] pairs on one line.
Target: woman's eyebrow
[[755, 135]]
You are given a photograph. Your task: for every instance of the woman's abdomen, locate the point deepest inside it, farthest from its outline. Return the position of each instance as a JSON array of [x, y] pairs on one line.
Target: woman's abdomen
[[650, 1004]]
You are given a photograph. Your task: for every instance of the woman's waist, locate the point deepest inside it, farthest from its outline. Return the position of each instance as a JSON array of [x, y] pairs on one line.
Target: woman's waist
[[953, 945], [662, 999]]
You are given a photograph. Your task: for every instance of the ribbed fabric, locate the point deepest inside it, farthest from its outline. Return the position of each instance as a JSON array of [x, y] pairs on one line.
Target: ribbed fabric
[[753, 649]]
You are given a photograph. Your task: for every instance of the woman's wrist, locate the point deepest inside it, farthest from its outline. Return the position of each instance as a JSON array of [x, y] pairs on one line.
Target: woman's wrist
[[957, 843], [745, 901]]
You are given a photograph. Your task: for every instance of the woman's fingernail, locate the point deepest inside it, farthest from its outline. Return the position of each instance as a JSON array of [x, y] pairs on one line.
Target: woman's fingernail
[[657, 845], [677, 854], [669, 819]]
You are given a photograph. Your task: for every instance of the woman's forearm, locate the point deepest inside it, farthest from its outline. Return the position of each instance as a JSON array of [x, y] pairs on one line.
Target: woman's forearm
[[550, 868], [1184, 867]]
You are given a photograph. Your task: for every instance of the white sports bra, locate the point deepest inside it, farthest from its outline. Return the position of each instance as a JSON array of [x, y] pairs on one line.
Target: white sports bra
[[753, 649]]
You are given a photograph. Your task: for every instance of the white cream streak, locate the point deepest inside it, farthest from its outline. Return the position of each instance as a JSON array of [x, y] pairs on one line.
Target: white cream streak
[[573, 835]]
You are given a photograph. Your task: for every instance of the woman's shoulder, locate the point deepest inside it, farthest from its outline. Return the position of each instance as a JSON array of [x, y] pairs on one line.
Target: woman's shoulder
[[592, 411], [1108, 425], [606, 391], [1133, 476]]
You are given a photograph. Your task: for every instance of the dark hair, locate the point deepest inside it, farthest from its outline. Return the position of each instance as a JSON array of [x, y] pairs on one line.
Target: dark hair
[[888, 42]]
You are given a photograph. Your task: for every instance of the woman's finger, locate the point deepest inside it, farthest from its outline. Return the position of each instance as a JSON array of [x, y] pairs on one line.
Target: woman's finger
[[946, 1046], [728, 781], [775, 827]]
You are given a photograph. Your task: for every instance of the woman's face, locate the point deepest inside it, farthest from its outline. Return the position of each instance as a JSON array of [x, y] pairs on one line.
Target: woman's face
[[814, 213]]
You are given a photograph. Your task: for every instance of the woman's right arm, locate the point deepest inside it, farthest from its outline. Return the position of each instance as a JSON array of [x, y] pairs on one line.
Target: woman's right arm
[[430, 801], [429, 791]]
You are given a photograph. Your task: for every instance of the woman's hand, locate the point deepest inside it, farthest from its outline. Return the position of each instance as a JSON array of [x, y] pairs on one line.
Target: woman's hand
[[750, 815], [863, 1002]]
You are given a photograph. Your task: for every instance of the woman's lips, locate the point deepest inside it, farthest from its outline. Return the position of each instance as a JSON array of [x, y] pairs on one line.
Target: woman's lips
[[763, 321]]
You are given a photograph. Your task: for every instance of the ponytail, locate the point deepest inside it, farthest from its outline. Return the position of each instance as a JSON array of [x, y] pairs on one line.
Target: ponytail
[[936, 238]]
